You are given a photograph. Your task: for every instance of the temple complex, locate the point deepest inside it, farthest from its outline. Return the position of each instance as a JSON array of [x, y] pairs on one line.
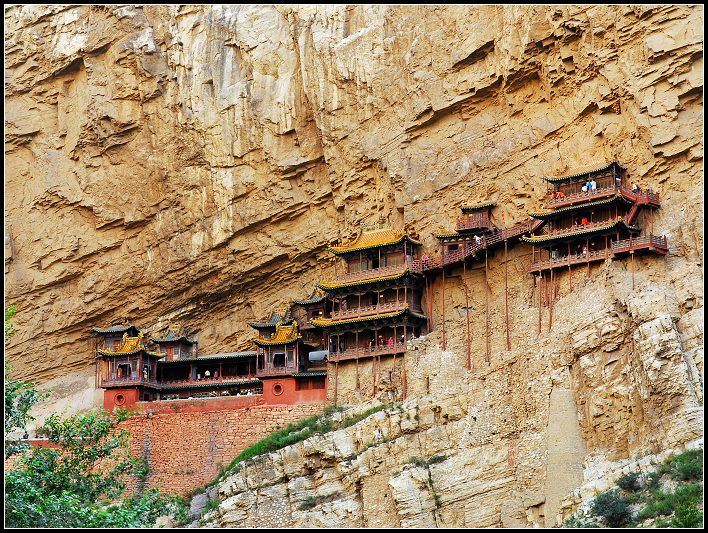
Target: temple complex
[[376, 299], [593, 215], [373, 306]]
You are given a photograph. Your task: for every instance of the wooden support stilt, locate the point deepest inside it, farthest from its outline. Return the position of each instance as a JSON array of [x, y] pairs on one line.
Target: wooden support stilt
[[404, 379], [540, 301], [550, 305], [467, 308], [443, 309], [486, 298], [336, 379], [587, 254], [506, 294], [570, 273]]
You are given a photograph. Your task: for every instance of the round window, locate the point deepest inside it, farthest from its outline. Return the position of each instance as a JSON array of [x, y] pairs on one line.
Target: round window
[[277, 389], [120, 399]]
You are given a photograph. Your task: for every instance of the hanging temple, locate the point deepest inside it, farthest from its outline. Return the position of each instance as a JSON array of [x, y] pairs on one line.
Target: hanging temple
[[373, 308]]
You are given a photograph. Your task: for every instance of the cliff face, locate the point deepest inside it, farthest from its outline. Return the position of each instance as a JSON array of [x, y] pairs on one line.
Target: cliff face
[[192, 163]]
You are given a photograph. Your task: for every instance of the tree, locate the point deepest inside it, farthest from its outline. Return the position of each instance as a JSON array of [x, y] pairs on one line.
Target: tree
[[20, 396], [81, 481]]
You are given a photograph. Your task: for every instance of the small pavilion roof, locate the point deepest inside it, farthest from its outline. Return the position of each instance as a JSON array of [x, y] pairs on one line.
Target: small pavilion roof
[[175, 333], [211, 357], [579, 207], [313, 299], [283, 335], [472, 208], [115, 328], [596, 228], [130, 346], [594, 169], [331, 285], [373, 239], [272, 320]]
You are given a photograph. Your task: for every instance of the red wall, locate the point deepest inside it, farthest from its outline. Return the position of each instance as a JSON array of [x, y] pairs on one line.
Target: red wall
[[187, 442], [109, 398], [282, 391]]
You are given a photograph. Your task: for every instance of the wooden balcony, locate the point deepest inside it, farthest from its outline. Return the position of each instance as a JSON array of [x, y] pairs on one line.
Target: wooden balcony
[[372, 273], [473, 221], [572, 259], [224, 380], [653, 243], [472, 248], [137, 381], [575, 228], [364, 352], [367, 310], [580, 197], [276, 371]]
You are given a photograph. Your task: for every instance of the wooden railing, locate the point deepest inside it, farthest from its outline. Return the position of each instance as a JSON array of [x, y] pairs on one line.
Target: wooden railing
[[572, 259], [570, 199], [209, 381], [361, 352], [371, 273], [473, 221], [128, 381], [635, 243], [366, 310], [578, 227], [276, 371], [644, 197], [467, 249]]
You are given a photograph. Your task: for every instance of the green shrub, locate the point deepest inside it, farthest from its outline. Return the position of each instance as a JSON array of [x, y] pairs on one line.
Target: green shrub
[[687, 466], [687, 515], [665, 503], [629, 482], [613, 507], [312, 501]]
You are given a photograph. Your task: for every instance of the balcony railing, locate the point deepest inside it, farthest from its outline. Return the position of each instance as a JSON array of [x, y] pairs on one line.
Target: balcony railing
[[365, 310], [224, 380], [572, 259], [575, 197], [362, 352], [363, 275], [473, 221], [577, 227], [636, 243], [128, 382], [276, 371], [646, 196]]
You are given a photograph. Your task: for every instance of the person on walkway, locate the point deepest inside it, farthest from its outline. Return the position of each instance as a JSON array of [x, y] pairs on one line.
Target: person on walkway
[[635, 188], [403, 338], [593, 186], [390, 342]]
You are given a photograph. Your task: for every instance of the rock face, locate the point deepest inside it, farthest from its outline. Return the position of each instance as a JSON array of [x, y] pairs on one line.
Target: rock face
[[193, 162]]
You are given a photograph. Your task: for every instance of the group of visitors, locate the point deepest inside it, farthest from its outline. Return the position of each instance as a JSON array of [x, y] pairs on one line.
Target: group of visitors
[[207, 375], [590, 186]]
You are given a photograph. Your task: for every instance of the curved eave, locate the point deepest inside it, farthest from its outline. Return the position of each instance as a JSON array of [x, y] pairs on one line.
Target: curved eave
[[583, 173], [569, 236], [180, 339], [329, 323], [134, 352], [343, 250], [477, 207], [114, 329], [334, 286], [266, 325], [310, 301], [579, 207], [263, 342]]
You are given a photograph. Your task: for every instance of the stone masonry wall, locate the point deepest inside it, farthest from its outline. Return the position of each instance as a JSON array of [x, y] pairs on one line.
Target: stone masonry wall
[[186, 448]]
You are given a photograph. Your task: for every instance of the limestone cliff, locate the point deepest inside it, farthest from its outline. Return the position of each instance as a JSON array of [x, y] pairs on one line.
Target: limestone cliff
[[193, 162]]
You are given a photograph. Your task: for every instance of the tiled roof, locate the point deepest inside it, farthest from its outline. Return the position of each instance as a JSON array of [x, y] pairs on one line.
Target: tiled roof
[[130, 346], [311, 373], [211, 357], [329, 322], [476, 207], [373, 239], [563, 236], [283, 335], [582, 171], [116, 328], [579, 207], [334, 285], [313, 299], [174, 333]]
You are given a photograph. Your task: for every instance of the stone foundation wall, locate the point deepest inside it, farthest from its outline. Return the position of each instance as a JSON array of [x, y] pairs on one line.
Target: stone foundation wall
[[187, 443]]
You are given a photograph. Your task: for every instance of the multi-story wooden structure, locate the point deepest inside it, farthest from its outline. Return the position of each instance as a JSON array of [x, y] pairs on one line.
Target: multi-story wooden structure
[[283, 362], [593, 215], [126, 369], [376, 300]]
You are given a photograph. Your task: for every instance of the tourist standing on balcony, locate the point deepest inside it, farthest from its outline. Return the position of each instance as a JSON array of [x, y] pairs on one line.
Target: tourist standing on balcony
[[635, 188], [593, 186], [403, 338], [390, 342], [372, 344], [207, 374]]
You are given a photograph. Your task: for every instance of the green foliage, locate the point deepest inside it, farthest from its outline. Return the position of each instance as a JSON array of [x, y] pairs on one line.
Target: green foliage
[[687, 466], [665, 503], [312, 501], [9, 326], [211, 505], [629, 482], [613, 507], [294, 433], [78, 483], [20, 396], [580, 522], [425, 463]]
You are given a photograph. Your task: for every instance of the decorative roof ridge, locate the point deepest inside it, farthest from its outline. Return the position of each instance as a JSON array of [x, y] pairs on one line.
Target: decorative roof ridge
[[477, 207], [326, 322], [580, 206], [324, 286], [368, 240], [581, 172]]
